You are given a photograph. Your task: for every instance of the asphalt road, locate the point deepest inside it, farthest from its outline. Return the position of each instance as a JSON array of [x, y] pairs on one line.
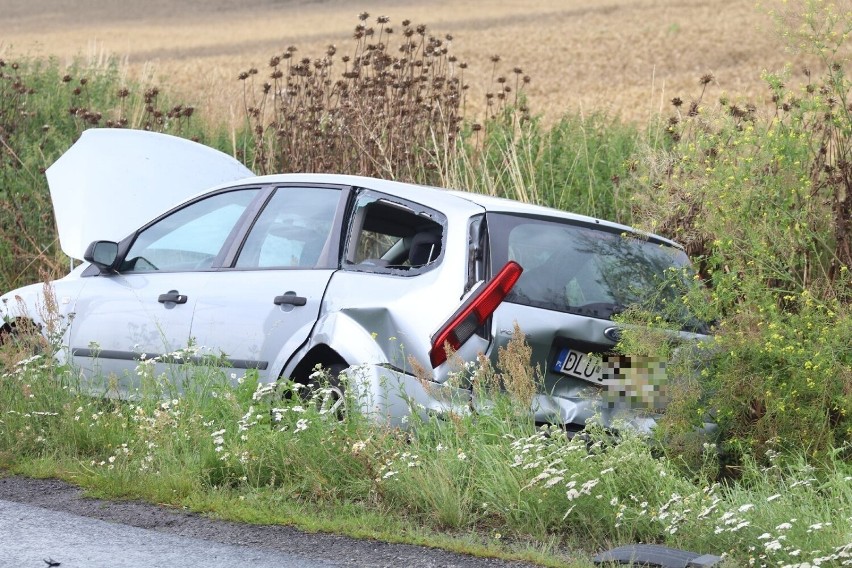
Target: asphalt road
[[35, 537], [42, 520]]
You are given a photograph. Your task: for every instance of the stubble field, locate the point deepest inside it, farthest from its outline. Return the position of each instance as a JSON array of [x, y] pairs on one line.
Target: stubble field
[[625, 57]]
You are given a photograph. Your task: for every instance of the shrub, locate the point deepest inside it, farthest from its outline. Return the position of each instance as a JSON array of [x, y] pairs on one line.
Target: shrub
[[374, 111], [763, 201], [43, 109]]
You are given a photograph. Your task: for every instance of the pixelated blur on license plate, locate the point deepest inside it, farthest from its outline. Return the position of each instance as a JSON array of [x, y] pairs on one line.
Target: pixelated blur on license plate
[[580, 365]]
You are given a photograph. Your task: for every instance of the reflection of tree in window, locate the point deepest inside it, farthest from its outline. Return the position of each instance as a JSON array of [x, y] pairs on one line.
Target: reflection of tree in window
[[592, 272], [639, 273], [629, 270]]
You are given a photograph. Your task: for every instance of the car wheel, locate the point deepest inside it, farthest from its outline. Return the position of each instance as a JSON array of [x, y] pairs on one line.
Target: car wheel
[[327, 391], [23, 335]]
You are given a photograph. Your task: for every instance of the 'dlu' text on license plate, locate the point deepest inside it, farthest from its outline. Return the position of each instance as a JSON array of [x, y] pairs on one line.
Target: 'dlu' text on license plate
[[576, 364]]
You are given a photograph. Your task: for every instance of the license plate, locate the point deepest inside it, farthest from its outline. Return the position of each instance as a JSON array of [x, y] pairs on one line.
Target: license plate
[[579, 365]]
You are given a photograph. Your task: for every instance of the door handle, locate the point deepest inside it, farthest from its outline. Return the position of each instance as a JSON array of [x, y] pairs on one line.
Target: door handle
[[290, 299], [172, 296]]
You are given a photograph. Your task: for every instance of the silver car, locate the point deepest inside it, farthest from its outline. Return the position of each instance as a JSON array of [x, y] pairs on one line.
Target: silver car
[[282, 273]]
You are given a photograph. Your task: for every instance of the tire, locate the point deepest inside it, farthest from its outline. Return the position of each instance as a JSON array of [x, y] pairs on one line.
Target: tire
[[329, 398]]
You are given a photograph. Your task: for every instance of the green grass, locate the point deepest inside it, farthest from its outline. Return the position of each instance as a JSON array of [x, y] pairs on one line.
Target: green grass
[[44, 107], [576, 164], [483, 484]]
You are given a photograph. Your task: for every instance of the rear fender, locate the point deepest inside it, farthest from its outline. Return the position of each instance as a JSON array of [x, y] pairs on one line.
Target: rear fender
[[344, 335], [389, 396]]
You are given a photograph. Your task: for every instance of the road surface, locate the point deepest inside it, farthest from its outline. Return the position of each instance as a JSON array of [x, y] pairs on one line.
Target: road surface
[[45, 519]]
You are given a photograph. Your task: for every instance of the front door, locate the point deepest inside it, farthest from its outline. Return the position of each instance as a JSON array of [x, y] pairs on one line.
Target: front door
[[145, 310]]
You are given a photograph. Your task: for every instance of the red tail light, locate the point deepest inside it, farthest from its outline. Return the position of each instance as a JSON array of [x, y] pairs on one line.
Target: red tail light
[[473, 313]]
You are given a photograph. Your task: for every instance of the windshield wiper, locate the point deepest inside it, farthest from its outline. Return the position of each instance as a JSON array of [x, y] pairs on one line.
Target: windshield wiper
[[603, 310]]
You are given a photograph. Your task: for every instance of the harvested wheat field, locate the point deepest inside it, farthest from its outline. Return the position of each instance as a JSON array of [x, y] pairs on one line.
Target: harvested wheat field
[[624, 57]]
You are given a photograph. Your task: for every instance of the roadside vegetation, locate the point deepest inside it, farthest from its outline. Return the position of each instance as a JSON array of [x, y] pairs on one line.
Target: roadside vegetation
[[760, 196]]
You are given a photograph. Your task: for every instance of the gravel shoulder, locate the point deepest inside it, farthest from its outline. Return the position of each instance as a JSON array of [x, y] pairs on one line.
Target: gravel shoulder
[[340, 550]]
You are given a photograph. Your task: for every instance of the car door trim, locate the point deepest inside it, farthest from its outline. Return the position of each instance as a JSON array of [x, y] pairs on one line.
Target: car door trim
[[168, 358]]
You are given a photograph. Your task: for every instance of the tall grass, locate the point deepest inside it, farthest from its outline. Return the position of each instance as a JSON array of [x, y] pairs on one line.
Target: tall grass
[[392, 104], [491, 474], [576, 164], [43, 109], [762, 199]]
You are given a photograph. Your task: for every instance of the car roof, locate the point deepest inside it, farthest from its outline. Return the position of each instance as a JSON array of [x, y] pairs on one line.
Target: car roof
[[441, 198]]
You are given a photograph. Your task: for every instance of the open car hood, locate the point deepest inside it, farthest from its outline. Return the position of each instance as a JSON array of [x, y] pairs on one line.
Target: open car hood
[[113, 181]]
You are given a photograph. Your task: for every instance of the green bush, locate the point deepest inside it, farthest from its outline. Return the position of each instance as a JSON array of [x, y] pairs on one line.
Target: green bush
[[763, 202]]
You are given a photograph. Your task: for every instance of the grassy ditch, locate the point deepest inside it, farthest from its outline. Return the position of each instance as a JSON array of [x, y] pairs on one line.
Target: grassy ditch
[[484, 483], [760, 198]]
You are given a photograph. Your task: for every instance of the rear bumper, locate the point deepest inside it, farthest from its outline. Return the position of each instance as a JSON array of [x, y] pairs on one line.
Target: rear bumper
[[389, 396], [580, 411]]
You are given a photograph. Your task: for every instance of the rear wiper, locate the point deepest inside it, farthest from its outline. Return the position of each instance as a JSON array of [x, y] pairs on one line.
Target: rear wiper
[[598, 309]]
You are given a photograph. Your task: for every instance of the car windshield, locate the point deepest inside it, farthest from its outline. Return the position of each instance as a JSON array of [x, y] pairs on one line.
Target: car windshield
[[590, 271]]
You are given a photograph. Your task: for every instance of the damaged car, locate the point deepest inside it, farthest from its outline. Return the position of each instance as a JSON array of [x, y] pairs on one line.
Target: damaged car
[[180, 244]]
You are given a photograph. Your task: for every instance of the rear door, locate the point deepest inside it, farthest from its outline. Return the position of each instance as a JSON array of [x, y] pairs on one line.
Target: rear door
[[261, 306]]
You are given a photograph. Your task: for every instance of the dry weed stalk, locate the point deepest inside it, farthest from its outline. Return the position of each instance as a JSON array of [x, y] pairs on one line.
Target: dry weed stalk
[[518, 376], [376, 112]]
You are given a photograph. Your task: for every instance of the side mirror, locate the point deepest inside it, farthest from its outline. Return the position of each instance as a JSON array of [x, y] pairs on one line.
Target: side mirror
[[102, 254]]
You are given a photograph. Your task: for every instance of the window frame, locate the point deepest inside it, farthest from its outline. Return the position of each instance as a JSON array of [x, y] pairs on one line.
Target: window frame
[[330, 257], [126, 244]]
